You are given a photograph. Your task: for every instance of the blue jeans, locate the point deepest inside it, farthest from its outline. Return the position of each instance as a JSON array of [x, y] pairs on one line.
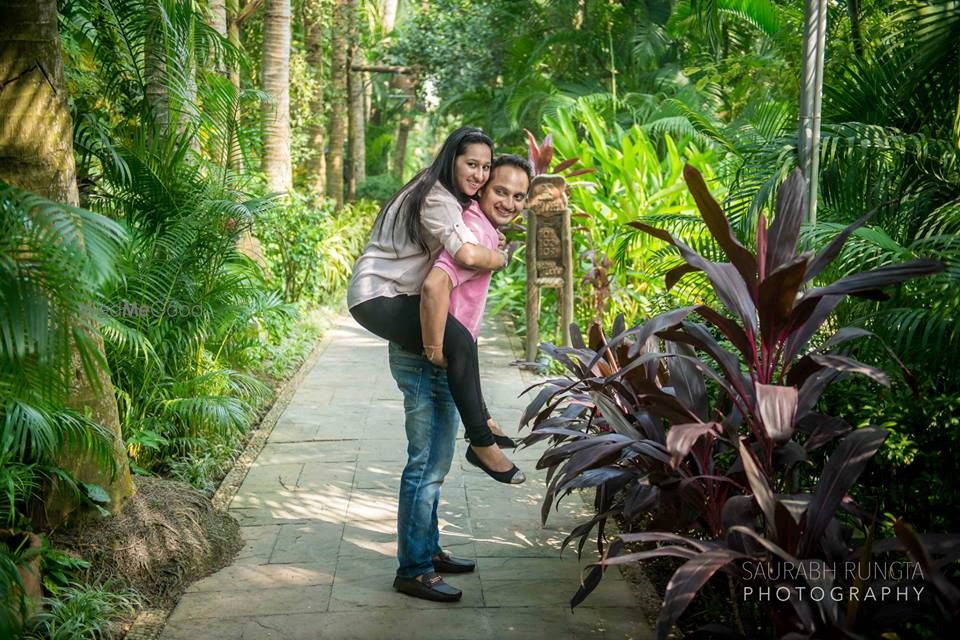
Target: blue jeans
[[431, 423]]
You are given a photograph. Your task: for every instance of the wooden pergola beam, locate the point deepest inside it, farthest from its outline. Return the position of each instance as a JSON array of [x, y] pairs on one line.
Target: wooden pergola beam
[[381, 68]]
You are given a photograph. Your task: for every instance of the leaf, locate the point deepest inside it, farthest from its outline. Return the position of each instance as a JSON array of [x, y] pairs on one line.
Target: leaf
[[760, 487], [804, 323], [739, 510], [867, 282], [832, 250], [659, 552], [785, 229], [838, 475], [687, 381], [777, 295], [614, 416], [686, 582], [931, 571], [533, 149], [849, 365], [822, 429], [730, 330], [778, 408], [595, 477], [637, 499], [812, 388], [96, 493], [643, 332], [593, 577], [675, 274], [534, 407], [698, 336], [682, 437], [744, 261], [558, 454], [566, 164]]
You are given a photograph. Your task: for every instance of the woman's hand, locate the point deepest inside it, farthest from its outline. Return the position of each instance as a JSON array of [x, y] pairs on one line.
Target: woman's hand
[[434, 353]]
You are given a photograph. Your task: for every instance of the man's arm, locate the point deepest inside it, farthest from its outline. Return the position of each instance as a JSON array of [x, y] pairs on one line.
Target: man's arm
[[434, 305]]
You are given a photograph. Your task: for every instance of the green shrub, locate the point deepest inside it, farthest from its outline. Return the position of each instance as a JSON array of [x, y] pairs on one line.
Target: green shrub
[[81, 612], [311, 245], [378, 188], [911, 475]]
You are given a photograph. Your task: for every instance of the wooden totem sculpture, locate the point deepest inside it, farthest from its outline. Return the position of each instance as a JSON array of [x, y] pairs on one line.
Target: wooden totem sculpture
[[549, 255]]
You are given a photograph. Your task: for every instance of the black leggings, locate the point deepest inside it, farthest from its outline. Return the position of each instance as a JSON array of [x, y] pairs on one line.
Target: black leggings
[[398, 320]]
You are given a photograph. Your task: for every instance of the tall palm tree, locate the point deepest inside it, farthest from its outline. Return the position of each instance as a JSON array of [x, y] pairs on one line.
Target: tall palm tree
[[358, 111], [315, 30], [235, 155], [276, 84], [36, 155], [340, 37]]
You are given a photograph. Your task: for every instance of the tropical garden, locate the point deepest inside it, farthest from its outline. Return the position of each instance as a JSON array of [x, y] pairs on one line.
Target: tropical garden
[[761, 367]]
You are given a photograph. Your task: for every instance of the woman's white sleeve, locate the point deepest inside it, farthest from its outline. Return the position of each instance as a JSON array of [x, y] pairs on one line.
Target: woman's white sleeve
[[443, 219]]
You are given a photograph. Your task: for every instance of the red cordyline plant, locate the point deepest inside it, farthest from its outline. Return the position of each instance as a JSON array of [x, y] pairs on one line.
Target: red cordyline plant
[[634, 420], [541, 155]]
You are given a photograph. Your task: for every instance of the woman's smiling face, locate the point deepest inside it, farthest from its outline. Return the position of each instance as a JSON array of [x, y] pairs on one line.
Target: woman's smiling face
[[472, 168]]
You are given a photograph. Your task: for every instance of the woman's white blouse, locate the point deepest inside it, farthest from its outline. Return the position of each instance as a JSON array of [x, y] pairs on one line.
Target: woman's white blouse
[[391, 265]]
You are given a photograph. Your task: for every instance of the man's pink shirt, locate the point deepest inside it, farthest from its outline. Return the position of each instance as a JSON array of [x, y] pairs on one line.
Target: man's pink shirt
[[469, 294]]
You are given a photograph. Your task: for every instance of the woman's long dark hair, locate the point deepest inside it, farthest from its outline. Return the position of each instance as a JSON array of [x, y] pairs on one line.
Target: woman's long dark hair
[[442, 170]]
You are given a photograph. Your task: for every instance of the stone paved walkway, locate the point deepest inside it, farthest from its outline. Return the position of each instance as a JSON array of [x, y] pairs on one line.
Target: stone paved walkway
[[318, 515]]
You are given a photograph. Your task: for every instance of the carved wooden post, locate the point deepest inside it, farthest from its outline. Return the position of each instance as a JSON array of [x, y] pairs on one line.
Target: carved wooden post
[[549, 256]]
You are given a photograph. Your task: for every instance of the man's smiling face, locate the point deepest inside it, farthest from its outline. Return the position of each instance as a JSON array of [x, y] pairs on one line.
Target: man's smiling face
[[504, 195]]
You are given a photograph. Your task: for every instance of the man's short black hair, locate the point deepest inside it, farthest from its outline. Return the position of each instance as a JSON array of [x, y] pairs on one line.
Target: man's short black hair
[[512, 160]]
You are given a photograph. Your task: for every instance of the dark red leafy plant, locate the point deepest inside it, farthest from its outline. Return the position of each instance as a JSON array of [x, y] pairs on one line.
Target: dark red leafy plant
[[694, 425], [540, 155]]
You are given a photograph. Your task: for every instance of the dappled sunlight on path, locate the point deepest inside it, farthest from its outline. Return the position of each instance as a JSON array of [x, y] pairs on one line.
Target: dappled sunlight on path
[[318, 514]]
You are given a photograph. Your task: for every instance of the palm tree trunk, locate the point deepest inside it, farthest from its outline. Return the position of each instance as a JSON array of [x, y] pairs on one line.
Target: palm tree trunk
[[338, 98], [403, 83], [317, 163], [811, 95], [389, 15], [217, 16], [853, 9], [235, 155], [358, 114], [155, 69], [276, 84], [36, 153]]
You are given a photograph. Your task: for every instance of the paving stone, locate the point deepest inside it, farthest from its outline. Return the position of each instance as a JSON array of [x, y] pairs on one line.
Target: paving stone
[[272, 477], [452, 623], [219, 628], [231, 604], [325, 504], [265, 576], [321, 474], [317, 542], [545, 623], [286, 452], [533, 591], [258, 542]]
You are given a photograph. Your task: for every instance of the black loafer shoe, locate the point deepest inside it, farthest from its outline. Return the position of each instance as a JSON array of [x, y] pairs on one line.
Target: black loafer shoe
[[446, 563], [432, 588]]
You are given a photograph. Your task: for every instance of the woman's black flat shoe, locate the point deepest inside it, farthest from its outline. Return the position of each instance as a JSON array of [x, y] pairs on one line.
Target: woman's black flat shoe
[[513, 476], [504, 442]]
